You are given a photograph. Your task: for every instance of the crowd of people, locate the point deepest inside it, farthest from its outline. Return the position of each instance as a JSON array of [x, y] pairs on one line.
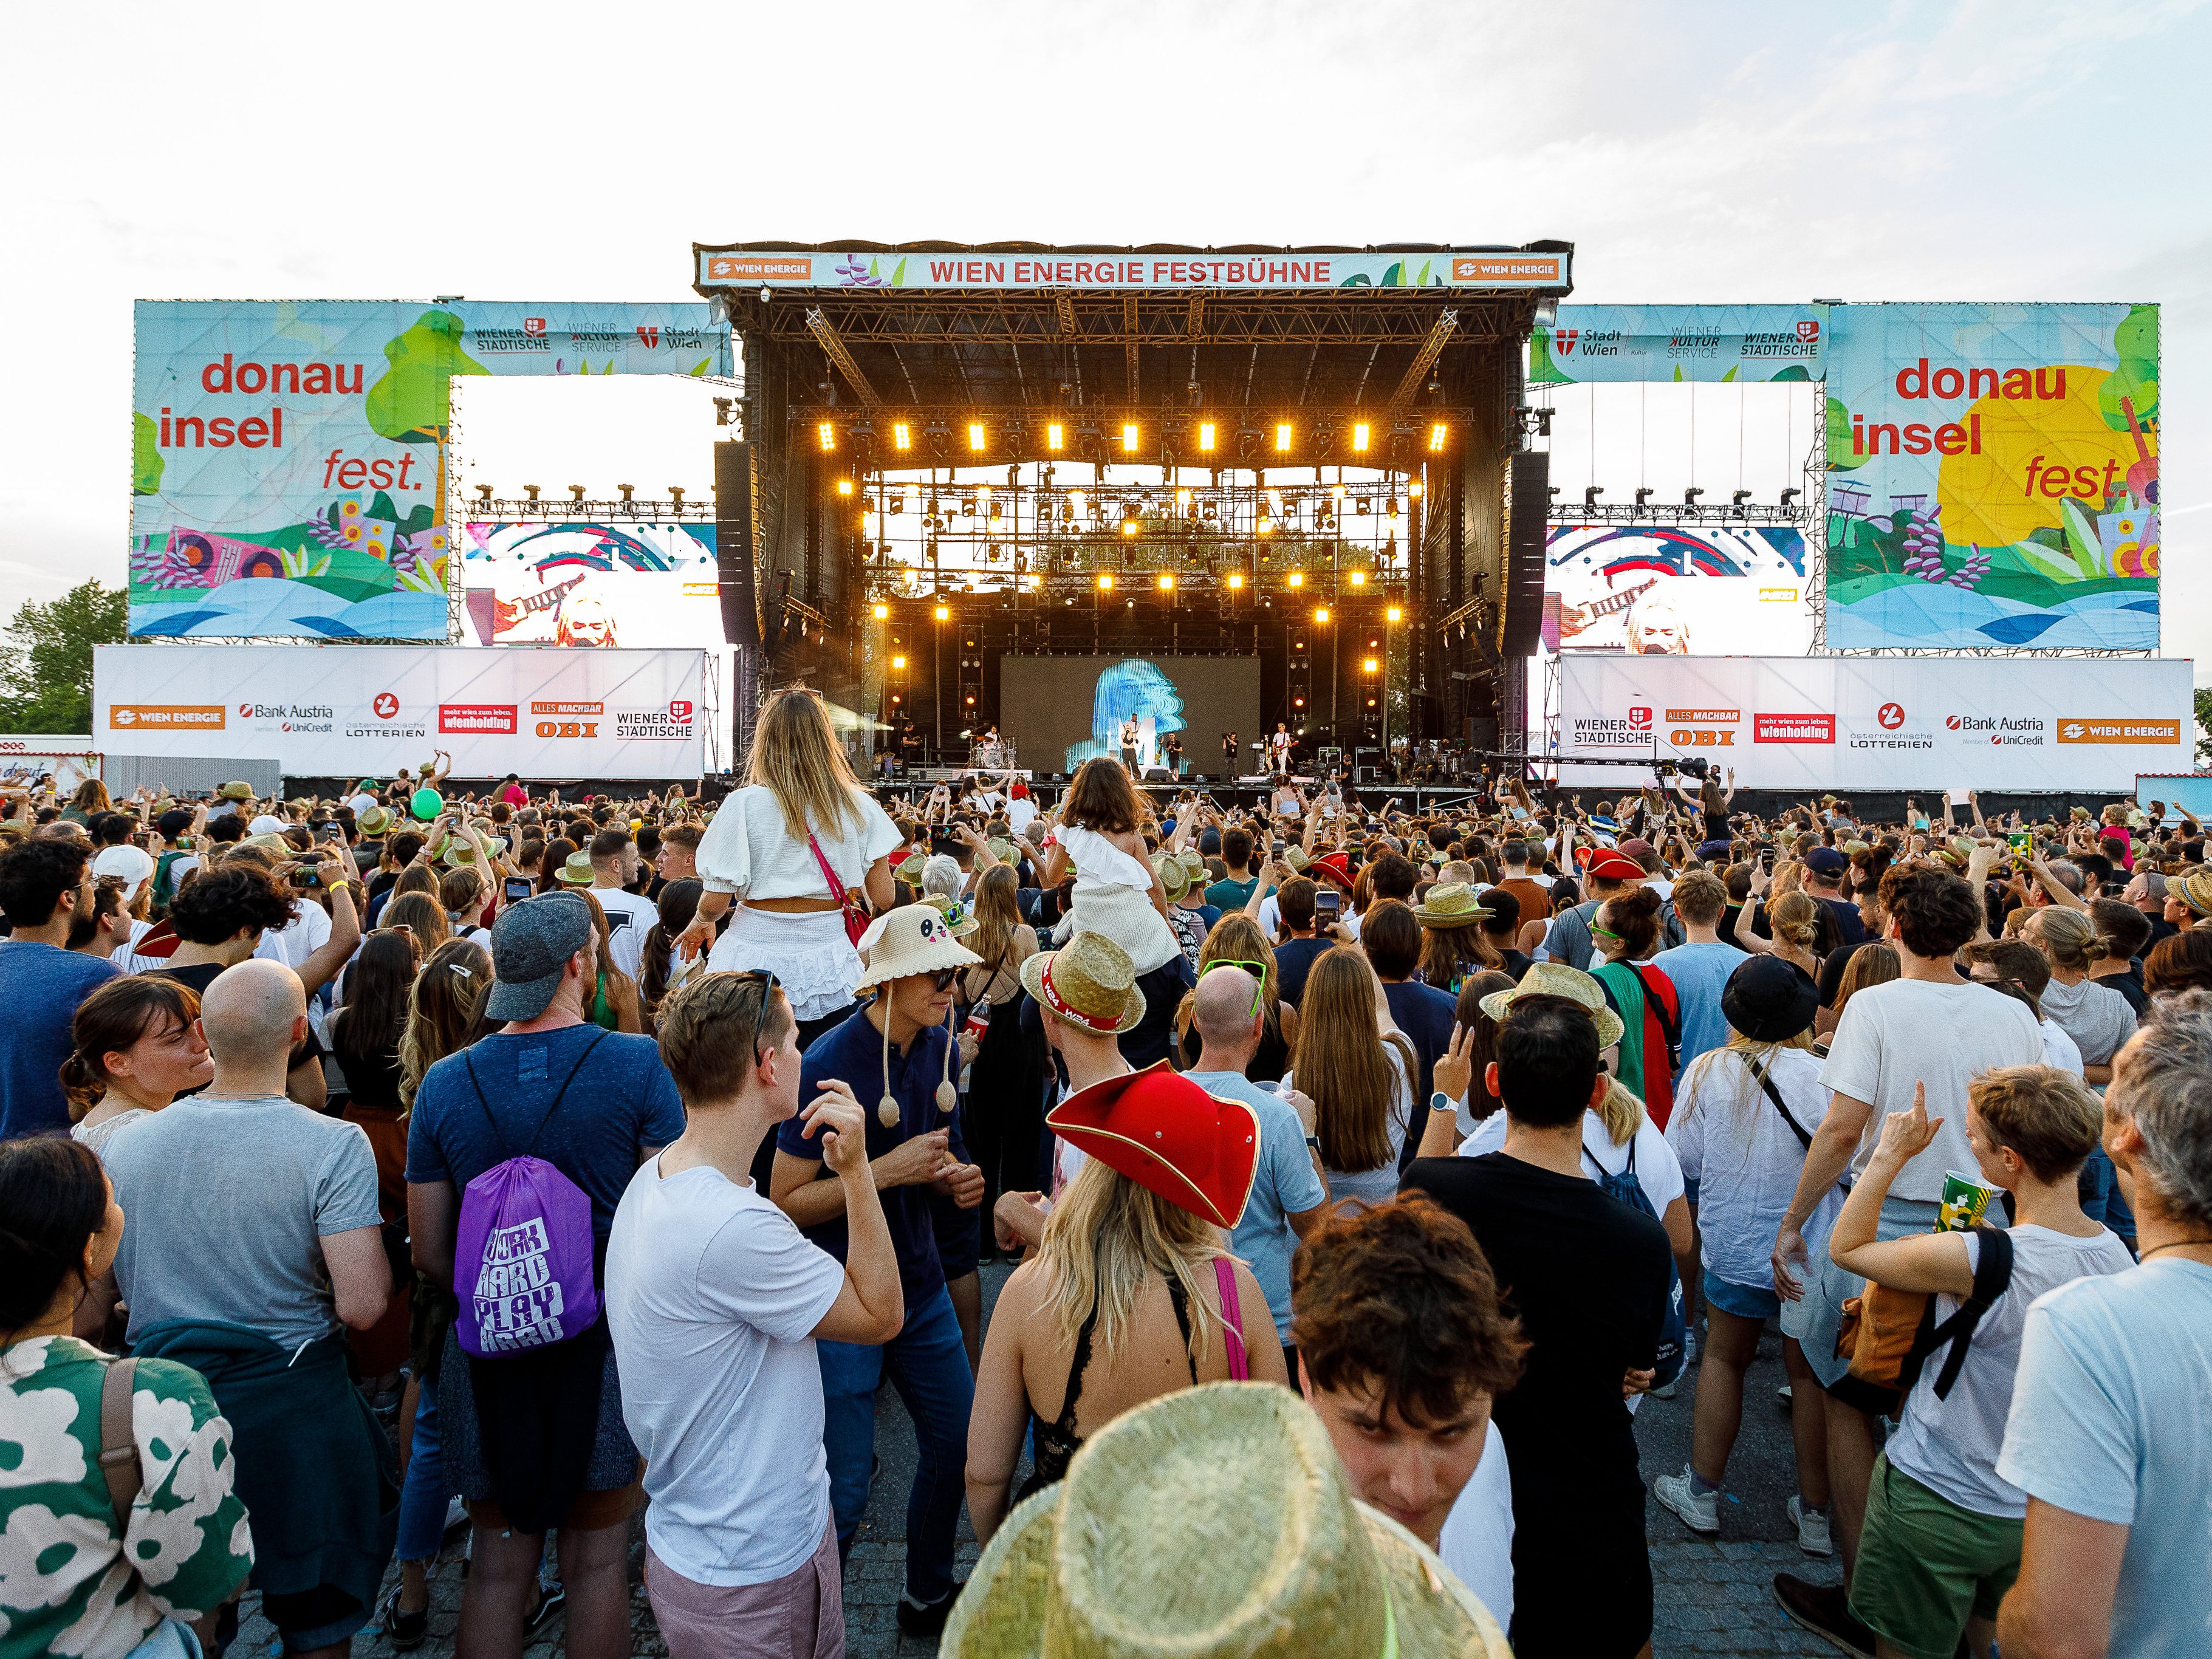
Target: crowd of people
[[377, 1165]]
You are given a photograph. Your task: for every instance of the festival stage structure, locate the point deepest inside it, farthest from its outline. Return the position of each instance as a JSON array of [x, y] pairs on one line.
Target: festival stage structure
[[1317, 458]]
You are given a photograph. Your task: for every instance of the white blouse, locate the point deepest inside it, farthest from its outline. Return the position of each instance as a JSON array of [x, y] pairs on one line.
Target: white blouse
[[747, 851]]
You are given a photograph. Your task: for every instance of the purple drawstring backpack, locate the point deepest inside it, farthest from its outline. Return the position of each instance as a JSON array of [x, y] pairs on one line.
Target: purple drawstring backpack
[[522, 1263]]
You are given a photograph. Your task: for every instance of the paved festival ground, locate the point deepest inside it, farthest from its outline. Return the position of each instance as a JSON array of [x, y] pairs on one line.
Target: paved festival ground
[[1714, 1600]]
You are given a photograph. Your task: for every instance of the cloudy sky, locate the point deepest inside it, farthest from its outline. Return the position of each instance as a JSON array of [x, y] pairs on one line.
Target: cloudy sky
[[1704, 153]]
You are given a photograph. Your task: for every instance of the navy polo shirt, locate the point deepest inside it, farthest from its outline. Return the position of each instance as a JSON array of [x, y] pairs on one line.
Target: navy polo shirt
[[852, 1053]]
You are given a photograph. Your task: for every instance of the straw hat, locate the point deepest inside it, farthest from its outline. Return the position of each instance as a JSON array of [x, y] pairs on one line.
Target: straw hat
[[2196, 889], [1174, 879], [1089, 982], [1297, 857], [1194, 864], [372, 820], [957, 914], [1450, 904], [576, 869], [1000, 849], [1556, 979], [915, 938], [1197, 1151], [908, 869], [1957, 852], [1212, 1522], [236, 790]]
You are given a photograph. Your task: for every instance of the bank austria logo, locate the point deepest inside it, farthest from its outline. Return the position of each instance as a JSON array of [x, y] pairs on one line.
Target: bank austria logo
[[2002, 731], [311, 717]]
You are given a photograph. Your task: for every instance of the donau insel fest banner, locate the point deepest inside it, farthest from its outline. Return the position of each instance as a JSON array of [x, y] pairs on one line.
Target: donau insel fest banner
[[1130, 267], [288, 458], [1993, 477], [1679, 343]]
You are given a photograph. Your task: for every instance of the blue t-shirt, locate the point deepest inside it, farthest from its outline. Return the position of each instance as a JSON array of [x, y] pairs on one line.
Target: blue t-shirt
[[2107, 1422], [620, 1101], [40, 986], [1425, 1014], [1700, 973], [852, 1053], [1294, 960], [1286, 1184]]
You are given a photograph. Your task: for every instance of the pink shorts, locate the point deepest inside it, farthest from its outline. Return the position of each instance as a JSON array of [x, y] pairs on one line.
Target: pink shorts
[[800, 1615]]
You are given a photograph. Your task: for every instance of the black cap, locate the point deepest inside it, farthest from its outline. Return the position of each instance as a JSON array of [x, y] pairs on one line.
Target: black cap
[[1770, 1001]]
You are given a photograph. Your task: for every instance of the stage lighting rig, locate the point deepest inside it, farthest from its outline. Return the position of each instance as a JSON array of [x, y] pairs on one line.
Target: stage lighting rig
[[1789, 496], [1591, 495], [1644, 494]]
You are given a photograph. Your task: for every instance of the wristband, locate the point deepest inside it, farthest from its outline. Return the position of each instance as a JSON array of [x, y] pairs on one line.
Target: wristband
[[1314, 1141]]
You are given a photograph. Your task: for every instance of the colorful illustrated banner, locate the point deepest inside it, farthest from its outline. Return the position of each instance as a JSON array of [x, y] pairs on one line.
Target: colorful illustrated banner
[[63, 763], [1993, 477], [353, 711], [563, 583], [1129, 267], [1918, 725], [1681, 343], [288, 458], [1655, 591]]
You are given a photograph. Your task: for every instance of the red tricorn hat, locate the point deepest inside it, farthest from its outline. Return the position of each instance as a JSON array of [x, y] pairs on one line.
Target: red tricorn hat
[[1195, 1150], [1613, 867], [1337, 866]]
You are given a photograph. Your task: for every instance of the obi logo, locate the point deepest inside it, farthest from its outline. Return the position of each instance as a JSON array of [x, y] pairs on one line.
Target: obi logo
[[568, 728], [648, 336], [1891, 714], [1562, 341], [534, 326], [1702, 737], [1639, 719], [1809, 328], [386, 705]]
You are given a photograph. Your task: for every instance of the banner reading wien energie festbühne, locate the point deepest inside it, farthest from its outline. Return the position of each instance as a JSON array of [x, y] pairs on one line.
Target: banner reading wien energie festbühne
[[1679, 343], [289, 456], [1993, 477]]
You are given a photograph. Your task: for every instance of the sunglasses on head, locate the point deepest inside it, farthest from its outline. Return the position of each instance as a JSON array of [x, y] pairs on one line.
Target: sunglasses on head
[[1257, 970], [769, 985]]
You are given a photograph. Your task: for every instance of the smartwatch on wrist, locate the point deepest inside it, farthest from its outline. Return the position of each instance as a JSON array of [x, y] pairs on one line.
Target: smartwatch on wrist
[[1441, 1102]]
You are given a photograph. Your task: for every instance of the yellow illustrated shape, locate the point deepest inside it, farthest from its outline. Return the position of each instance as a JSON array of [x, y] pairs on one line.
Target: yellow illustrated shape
[[1987, 498]]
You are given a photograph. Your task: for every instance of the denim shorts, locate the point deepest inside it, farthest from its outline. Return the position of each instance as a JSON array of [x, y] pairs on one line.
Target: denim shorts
[[1744, 1301]]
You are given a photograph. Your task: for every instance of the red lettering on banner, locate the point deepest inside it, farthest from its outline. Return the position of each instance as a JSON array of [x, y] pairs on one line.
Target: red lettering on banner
[[942, 270], [1950, 440], [1793, 728], [1916, 380]]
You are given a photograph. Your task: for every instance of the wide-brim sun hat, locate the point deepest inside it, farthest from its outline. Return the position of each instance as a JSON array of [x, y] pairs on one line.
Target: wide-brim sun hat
[[1297, 858], [1768, 999], [1198, 1150], [576, 870], [1335, 867], [1090, 981], [915, 938], [1175, 880], [1213, 1522], [1450, 904], [2196, 890], [236, 790], [372, 820], [1556, 979]]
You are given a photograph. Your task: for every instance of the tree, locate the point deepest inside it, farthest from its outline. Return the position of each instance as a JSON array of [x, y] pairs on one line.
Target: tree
[[2204, 726], [46, 658]]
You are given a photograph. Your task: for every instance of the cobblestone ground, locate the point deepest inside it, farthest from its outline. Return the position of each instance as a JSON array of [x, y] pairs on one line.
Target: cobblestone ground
[[1713, 1599]]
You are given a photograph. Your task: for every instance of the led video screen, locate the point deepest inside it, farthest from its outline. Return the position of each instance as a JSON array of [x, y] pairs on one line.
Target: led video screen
[[1060, 711]]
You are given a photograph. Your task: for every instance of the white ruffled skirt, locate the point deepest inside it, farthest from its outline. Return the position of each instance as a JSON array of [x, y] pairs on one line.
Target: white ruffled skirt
[[808, 953]]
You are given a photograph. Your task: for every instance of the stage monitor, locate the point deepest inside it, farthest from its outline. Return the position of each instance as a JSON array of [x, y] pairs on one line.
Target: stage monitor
[[1060, 711]]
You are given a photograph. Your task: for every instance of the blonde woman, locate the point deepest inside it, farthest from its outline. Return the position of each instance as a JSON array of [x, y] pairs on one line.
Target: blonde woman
[[1358, 1075], [1238, 938], [1795, 920], [441, 1010], [1132, 1292], [2095, 1016], [782, 850], [1745, 1148]]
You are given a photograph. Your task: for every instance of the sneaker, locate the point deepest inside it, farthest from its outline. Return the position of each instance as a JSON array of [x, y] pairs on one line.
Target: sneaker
[[1784, 1394], [457, 1514], [1820, 1608], [404, 1631], [1811, 1528], [1666, 1390], [1699, 1511], [1690, 1346], [549, 1598], [925, 1620]]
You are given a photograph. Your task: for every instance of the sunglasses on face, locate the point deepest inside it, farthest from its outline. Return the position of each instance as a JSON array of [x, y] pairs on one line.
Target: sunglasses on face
[[942, 978]]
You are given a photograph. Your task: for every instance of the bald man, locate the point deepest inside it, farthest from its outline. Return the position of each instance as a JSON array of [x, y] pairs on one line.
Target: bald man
[[1289, 1197]]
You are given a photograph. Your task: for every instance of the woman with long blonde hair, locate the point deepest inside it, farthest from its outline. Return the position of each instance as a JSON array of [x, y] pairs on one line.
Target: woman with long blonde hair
[[441, 1010], [786, 857], [1132, 1294], [1239, 939], [1360, 1079]]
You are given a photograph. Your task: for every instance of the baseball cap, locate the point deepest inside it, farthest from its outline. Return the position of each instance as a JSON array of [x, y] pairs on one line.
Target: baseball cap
[[530, 944], [1637, 848], [129, 864], [1826, 861]]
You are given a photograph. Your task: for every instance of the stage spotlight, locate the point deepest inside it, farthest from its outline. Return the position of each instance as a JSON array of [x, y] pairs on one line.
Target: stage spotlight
[[898, 662], [1363, 505], [1129, 438], [998, 509], [1739, 497], [1068, 513], [1128, 522], [1032, 581], [1056, 436], [975, 436], [1282, 437], [1105, 581], [1359, 579], [1182, 499], [1644, 494], [944, 613], [1321, 613], [1165, 581], [1368, 664], [825, 434], [1275, 501], [1296, 703], [1205, 437], [1789, 496], [844, 486], [1236, 581], [1436, 436], [901, 435], [1393, 506], [1360, 432], [1296, 578], [1206, 512], [1394, 614], [1413, 490], [1690, 495], [1267, 525], [1591, 495], [483, 494]]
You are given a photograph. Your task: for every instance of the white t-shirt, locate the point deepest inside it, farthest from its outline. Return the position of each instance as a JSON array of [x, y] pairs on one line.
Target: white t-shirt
[[1021, 811], [747, 851], [308, 932], [712, 1297], [1746, 1162], [630, 916], [1476, 1539], [1951, 1445], [1908, 1031], [2059, 1050]]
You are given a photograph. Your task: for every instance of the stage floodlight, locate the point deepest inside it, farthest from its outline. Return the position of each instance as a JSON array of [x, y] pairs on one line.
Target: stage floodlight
[[1690, 495], [882, 613], [1321, 613], [1394, 614], [1068, 513], [998, 508], [901, 435], [1296, 578], [1282, 437], [1437, 431], [1739, 497], [1236, 581], [1360, 433], [1359, 579], [1644, 494], [1129, 437], [1413, 491], [1363, 505], [1205, 437], [1056, 436], [1789, 496], [844, 486], [1206, 512], [1267, 525], [1591, 495], [1368, 665], [1105, 581], [898, 662], [825, 434], [1165, 581], [1128, 522], [975, 436]]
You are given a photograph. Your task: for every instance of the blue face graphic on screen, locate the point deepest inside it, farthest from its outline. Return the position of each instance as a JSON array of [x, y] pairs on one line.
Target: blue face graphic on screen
[[1134, 706]]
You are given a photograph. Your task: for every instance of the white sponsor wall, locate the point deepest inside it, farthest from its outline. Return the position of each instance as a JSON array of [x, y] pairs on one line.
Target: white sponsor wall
[[1917, 724], [367, 710]]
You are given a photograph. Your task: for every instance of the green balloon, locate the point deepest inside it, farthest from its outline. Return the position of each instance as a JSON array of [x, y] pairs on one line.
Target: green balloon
[[426, 804]]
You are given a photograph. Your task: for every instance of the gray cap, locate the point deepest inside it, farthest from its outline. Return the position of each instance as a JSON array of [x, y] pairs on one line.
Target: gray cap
[[530, 944]]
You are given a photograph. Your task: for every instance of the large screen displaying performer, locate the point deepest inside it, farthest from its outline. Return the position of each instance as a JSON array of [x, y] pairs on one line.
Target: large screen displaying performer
[[1061, 711]]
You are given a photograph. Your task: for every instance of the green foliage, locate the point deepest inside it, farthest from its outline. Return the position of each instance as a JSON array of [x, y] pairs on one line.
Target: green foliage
[[146, 463], [412, 402], [46, 658], [2136, 341], [1840, 459], [2204, 726]]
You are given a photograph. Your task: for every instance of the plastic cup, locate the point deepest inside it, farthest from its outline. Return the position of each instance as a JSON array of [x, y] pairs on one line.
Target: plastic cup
[[1965, 1201]]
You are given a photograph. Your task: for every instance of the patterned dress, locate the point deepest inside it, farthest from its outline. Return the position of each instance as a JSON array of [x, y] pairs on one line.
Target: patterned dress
[[69, 1584]]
